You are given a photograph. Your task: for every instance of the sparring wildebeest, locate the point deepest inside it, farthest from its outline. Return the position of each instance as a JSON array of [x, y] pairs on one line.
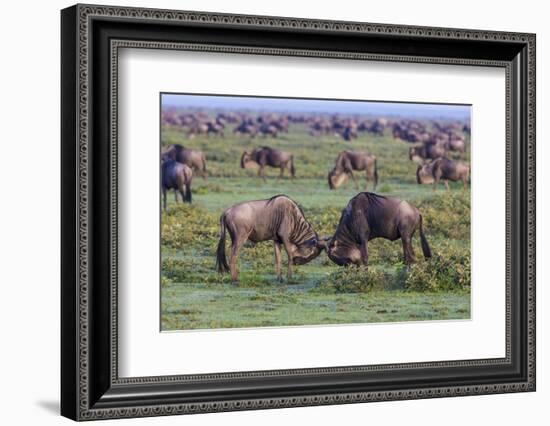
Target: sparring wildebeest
[[427, 151], [368, 216], [266, 156], [277, 219], [176, 176], [347, 162], [445, 170], [194, 158]]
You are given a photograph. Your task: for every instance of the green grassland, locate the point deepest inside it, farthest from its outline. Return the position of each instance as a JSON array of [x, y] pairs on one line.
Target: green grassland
[[195, 296]]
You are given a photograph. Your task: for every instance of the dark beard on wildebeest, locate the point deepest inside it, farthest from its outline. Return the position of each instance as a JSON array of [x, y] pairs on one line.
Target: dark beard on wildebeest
[[368, 216], [278, 219]]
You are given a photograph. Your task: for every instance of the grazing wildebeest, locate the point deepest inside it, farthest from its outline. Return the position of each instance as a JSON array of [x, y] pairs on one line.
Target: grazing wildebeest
[[206, 128], [194, 158], [349, 133], [268, 130], [445, 170], [277, 219], [427, 151], [266, 156], [246, 128], [347, 162], [457, 144], [368, 216], [176, 176]]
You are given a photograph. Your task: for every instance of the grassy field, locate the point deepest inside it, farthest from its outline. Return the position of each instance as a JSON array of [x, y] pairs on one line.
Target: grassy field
[[195, 296]]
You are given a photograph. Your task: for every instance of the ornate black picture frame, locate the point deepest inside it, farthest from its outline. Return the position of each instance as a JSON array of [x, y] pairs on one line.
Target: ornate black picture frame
[[91, 388]]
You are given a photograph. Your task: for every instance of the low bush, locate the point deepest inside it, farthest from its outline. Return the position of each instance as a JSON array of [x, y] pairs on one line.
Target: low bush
[[447, 270]]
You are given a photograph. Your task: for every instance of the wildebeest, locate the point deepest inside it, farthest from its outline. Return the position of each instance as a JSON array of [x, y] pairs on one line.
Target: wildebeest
[[267, 156], [194, 158], [427, 151], [347, 162], [206, 128], [176, 176], [445, 170], [368, 216], [277, 219], [246, 128]]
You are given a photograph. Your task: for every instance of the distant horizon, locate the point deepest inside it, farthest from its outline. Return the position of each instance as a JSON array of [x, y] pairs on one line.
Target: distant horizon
[[312, 106]]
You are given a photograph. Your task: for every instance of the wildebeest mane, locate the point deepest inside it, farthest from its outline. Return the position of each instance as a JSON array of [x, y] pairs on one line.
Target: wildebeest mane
[[370, 197], [303, 228], [286, 196]]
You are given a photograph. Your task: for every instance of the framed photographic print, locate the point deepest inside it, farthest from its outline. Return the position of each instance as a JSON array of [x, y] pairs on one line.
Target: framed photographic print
[[263, 212]]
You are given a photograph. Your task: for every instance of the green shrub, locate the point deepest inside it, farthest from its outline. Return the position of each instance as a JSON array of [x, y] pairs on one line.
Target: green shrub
[[447, 214], [354, 279], [443, 272], [185, 225]]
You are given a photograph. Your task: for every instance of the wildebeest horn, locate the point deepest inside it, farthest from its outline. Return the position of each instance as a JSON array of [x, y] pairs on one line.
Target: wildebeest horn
[[322, 242]]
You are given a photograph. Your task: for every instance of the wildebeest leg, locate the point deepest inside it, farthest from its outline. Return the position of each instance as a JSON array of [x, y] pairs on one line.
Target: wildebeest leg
[[182, 195], [408, 249], [281, 173], [261, 173], [176, 195], [446, 184], [350, 172], [236, 245], [164, 197], [288, 249], [364, 252], [278, 261]]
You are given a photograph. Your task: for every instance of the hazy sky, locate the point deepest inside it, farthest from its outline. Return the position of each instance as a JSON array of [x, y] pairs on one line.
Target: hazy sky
[[317, 106]]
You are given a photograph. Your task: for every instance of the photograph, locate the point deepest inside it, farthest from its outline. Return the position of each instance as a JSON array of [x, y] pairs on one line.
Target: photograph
[[280, 211], [347, 208]]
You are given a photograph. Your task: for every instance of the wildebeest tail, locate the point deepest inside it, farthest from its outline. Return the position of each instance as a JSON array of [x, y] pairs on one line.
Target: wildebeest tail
[[221, 259], [188, 196], [425, 246], [292, 168]]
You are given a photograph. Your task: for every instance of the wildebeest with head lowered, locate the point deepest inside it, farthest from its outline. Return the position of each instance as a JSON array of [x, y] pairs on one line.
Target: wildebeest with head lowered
[[194, 158], [347, 162], [368, 216], [176, 176], [445, 170], [277, 219], [267, 156]]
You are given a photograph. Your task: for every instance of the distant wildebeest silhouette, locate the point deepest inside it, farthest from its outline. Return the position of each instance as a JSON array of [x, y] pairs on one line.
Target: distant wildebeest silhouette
[[443, 169], [347, 162], [278, 219], [267, 156], [427, 151], [176, 176], [194, 158], [368, 216]]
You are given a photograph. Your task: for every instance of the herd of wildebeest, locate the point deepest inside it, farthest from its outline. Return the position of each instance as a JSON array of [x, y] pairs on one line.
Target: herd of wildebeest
[[437, 146]]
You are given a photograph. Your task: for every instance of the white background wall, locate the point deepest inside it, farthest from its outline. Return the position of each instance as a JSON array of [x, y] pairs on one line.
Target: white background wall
[[29, 211]]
